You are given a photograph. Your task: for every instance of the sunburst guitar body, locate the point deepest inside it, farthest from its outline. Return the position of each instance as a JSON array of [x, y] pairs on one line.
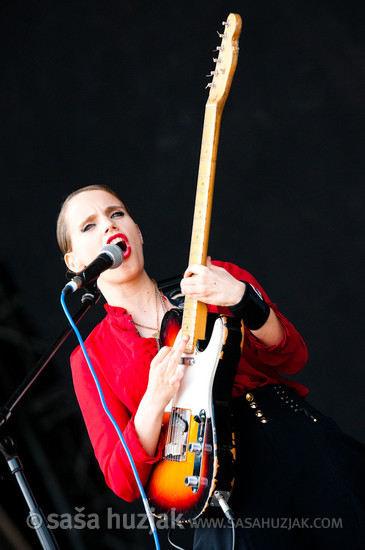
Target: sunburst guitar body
[[196, 471], [199, 442]]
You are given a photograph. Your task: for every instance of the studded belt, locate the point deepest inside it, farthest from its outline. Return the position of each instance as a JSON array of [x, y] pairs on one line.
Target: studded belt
[[284, 395]]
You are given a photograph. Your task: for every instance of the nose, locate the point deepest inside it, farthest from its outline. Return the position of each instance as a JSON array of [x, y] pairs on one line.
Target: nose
[[110, 225]]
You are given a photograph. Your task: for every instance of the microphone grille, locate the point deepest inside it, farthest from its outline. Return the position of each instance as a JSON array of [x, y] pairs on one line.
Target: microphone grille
[[114, 252]]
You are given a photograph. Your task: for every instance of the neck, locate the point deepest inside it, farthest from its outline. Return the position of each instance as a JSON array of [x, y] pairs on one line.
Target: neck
[[136, 296]]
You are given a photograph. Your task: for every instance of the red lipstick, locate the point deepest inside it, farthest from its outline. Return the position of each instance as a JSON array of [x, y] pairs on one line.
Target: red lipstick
[[124, 244]]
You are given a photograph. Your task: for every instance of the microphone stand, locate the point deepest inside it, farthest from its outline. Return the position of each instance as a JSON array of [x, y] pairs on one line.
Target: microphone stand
[[7, 445]]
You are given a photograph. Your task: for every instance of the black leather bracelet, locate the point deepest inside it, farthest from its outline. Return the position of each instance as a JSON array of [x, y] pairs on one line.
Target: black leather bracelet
[[252, 308]]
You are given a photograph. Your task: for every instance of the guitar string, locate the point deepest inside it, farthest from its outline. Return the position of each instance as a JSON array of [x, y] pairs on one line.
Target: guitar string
[[174, 435]]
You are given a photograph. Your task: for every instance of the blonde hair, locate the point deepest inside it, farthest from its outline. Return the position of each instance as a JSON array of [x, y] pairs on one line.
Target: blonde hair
[[63, 238]]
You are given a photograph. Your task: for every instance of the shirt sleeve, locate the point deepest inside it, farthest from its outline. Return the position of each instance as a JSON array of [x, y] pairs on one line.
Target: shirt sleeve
[[287, 357], [105, 440]]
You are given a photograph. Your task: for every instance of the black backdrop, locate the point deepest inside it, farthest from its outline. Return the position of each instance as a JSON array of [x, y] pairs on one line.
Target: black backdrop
[[114, 92]]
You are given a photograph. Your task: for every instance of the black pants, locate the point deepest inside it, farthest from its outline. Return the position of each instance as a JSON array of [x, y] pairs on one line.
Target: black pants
[[300, 482]]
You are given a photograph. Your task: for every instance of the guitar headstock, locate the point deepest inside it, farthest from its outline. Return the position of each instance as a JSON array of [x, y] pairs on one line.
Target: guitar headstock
[[226, 61]]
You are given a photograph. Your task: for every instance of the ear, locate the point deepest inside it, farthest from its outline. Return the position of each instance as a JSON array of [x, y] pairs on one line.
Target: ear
[[140, 234], [73, 263]]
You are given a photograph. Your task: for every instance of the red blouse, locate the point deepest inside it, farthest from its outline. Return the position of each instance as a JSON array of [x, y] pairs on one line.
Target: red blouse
[[121, 360]]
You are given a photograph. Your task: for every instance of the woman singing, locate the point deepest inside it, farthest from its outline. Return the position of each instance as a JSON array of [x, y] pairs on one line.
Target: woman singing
[[292, 462]]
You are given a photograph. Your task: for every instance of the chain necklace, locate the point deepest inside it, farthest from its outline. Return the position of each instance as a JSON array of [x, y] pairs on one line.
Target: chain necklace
[[158, 296]]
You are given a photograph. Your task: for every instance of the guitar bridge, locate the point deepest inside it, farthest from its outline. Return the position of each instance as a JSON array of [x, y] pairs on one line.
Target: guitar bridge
[[177, 435]]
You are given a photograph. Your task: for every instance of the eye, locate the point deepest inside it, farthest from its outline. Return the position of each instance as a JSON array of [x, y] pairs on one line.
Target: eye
[[87, 227], [118, 214]]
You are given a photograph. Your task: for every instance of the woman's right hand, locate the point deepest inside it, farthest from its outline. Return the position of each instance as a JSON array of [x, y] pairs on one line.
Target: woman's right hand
[[164, 380], [166, 372]]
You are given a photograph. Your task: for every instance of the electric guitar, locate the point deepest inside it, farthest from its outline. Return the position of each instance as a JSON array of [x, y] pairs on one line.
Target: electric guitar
[[197, 468]]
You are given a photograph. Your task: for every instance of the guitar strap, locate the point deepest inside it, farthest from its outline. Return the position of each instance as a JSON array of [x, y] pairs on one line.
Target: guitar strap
[[171, 289]]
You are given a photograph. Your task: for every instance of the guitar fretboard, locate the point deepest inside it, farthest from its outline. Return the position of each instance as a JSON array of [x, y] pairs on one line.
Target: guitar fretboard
[[195, 313]]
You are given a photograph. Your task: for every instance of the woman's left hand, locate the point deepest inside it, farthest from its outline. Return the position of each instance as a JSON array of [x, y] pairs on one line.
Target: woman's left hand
[[212, 285]]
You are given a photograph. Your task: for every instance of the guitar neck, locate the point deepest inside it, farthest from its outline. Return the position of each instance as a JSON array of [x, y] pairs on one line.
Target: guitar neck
[[195, 313], [205, 186]]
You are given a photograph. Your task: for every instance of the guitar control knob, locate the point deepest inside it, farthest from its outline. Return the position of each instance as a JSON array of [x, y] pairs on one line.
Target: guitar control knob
[[195, 448], [192, 481]]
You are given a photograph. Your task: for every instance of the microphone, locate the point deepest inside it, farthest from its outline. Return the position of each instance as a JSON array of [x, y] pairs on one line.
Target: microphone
[[110, 256]]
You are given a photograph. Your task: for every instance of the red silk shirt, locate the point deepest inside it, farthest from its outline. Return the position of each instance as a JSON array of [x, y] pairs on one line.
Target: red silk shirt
[[121, 360]]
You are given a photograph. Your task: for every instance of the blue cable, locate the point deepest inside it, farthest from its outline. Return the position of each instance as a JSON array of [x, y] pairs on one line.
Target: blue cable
[[113, 421]]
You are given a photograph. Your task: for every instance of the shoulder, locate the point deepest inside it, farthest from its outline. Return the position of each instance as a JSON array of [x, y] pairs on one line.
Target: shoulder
[[92, 342], [235, 271]]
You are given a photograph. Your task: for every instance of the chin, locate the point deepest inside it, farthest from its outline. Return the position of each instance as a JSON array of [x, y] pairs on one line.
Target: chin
[[123, 274]]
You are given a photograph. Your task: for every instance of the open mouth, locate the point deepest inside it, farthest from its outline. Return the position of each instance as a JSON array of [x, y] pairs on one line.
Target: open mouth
[[122, 241]]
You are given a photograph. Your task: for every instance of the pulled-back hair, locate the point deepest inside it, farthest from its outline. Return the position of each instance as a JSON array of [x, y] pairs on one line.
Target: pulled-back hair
[[63, 239]]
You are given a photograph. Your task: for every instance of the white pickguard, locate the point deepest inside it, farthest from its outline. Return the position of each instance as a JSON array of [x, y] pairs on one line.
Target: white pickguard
[[195, 392]]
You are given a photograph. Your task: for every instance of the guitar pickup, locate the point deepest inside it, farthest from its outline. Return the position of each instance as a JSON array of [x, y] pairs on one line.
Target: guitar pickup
[[177, 435], [187, 360]]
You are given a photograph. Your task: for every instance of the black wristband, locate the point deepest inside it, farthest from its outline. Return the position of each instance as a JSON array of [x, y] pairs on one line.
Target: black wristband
[[252, 308]]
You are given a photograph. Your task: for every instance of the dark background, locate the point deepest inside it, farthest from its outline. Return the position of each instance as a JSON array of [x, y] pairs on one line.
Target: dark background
[[114, 92]]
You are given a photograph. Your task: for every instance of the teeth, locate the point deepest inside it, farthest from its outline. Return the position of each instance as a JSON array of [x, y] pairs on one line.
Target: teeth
[[117, 240], [121, 242]]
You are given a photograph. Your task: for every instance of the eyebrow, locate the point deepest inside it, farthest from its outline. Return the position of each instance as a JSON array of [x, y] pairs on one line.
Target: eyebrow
[[107, 210]]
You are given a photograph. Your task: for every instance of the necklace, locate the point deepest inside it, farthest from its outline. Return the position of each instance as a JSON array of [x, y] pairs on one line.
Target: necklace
[[158, 296]]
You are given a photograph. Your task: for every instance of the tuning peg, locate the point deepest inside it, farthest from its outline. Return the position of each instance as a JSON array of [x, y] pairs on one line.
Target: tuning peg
[[221, 35], [225, 23], [209, 85], [212, 73], [219, 49]]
